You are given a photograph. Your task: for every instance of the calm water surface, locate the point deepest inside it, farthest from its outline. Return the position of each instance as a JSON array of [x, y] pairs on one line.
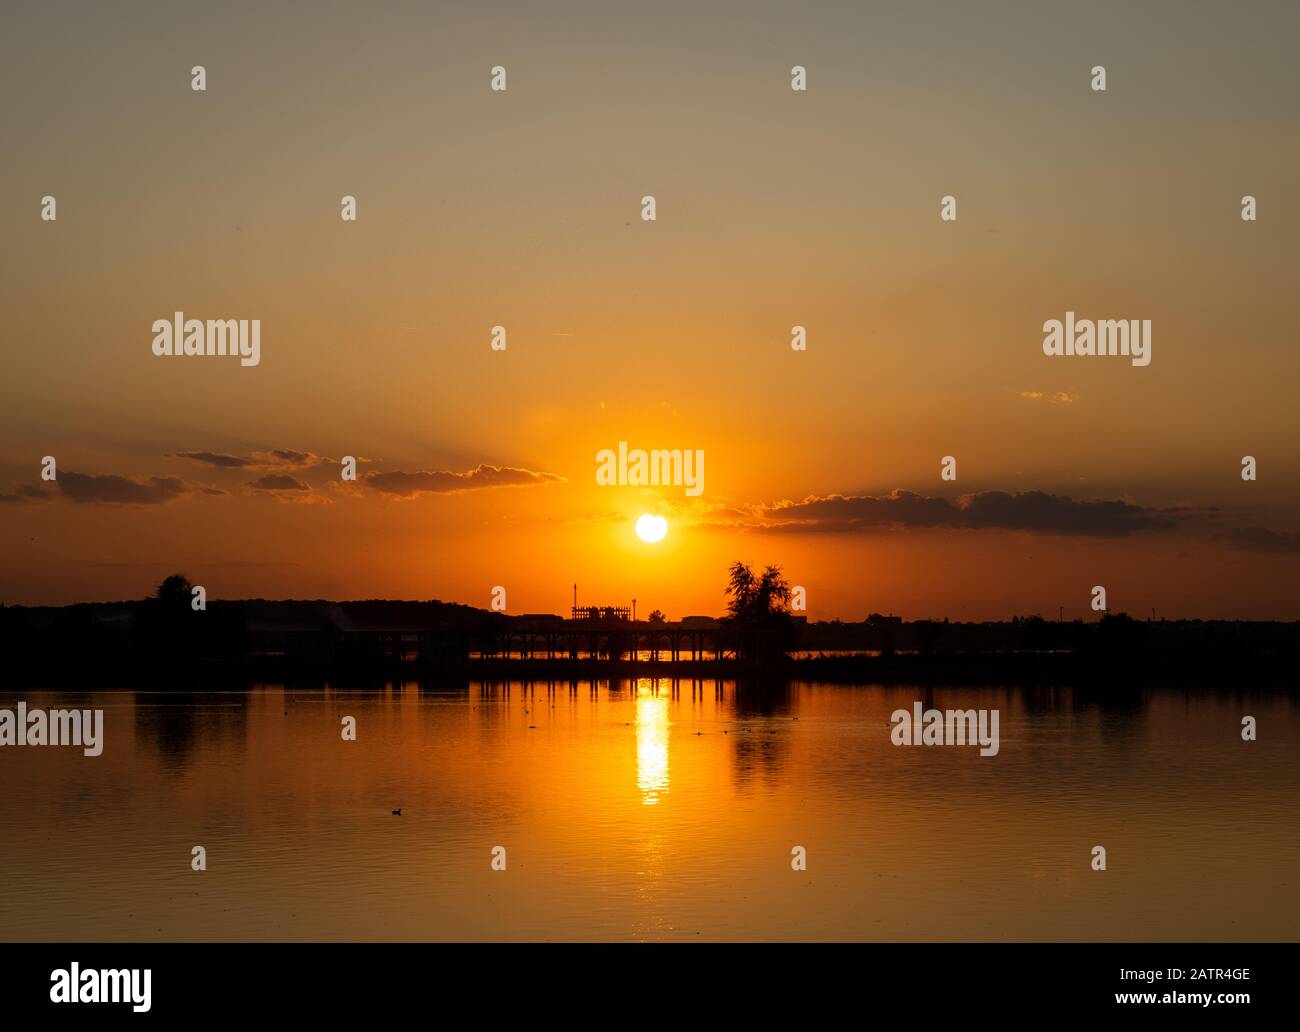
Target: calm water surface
[[644, 810]]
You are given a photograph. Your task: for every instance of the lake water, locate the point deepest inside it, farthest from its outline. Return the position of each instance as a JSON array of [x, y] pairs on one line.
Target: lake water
[[647, 811]]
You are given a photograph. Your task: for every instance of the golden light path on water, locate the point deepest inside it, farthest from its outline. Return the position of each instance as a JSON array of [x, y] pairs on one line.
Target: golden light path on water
[[652, 730]]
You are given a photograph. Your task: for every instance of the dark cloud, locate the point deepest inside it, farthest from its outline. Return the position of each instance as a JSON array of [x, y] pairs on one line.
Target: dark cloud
[[108, 489], [118, 490], [1034, 511], [408, 485], [42, 492], [216, 459], [1058, 514], [851, 512], [1257, 539], [234, 564], [278, 482], [275, 458], [295, 458]]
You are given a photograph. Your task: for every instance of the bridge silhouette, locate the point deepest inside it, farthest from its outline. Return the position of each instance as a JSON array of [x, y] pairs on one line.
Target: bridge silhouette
[[607, 632]]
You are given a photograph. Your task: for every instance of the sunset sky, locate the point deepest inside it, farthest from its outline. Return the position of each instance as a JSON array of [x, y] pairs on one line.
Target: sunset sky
[[775, 208]]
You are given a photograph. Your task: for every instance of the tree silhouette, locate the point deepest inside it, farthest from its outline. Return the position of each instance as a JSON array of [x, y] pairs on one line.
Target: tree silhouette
[[758, 601], [175, 591], [657, 616], [166, 621], [759, 609]]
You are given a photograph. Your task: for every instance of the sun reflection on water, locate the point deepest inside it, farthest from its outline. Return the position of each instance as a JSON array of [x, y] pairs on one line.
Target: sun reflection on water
[[652, 726]]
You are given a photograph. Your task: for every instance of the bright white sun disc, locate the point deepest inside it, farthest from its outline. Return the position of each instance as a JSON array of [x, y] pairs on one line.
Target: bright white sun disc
[[651, 528]]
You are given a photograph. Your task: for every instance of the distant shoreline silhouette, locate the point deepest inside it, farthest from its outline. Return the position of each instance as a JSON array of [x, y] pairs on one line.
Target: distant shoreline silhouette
[[164, 642]]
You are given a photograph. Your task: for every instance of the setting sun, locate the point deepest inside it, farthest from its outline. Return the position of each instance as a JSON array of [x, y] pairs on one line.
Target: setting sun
[[651, 528]]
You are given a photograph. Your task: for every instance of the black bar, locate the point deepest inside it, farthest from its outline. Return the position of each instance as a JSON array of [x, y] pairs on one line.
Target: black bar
[[472, 983]]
